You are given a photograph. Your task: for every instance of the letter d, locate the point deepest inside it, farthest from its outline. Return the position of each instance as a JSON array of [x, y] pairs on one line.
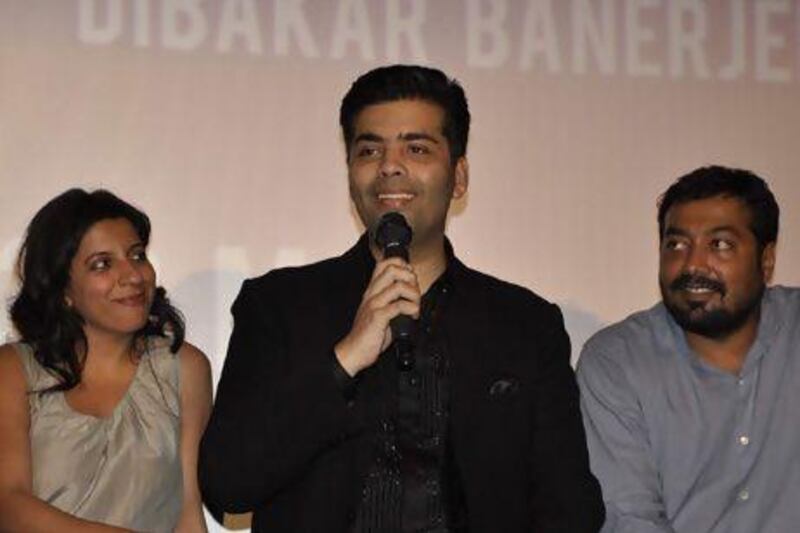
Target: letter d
[[93, 31]]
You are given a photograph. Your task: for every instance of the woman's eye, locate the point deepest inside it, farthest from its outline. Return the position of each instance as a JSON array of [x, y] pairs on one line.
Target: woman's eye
[[100, 264]]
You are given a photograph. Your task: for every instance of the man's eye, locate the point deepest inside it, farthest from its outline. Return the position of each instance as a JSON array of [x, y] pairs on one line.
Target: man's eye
[[366, 151], [673, 244], [140, 256], [418, 149], [722, 245]]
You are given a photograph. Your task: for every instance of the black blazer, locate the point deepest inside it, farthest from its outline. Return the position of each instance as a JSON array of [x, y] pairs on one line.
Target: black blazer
[[283, 442]]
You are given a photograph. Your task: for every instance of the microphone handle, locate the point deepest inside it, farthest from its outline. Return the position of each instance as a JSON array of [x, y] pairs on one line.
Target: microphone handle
[[396, 250], [403, 327]]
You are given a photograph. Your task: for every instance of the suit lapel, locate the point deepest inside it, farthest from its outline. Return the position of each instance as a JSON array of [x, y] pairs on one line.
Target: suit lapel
[[468, 329], [345, 287]]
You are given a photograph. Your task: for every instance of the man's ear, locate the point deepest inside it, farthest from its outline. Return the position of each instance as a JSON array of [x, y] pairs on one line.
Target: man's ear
[[768, 261], [460, 178]]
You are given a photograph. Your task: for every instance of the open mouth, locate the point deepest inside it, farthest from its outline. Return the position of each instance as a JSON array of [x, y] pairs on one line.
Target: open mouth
[[395, 199], [699, 290], [697, 285]]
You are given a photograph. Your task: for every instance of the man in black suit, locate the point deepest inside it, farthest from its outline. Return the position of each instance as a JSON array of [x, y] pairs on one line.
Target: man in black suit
[[324, 423]]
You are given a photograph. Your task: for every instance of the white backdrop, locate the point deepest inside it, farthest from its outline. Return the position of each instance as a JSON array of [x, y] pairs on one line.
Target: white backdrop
[[219, 119]]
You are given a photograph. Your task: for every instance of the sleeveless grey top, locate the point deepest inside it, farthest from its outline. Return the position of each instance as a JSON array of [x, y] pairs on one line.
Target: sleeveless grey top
[[123, 470]]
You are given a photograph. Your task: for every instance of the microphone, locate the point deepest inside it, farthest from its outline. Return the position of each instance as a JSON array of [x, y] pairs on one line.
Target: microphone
[[393, 235]]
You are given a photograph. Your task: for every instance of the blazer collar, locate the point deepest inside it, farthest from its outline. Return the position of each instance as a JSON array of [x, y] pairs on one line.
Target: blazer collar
[[359, 259]]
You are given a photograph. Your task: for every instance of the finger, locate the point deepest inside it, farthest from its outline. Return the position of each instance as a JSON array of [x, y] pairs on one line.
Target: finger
[[385, 314], [402, 307], [383, 264], [389, 276], [397, 291]]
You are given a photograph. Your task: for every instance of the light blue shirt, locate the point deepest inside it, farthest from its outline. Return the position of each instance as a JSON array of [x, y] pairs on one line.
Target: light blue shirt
[[680, 446]]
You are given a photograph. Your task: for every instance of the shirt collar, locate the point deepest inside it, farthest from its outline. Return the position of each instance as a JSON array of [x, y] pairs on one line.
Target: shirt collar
[[364, 256], [768, 325]]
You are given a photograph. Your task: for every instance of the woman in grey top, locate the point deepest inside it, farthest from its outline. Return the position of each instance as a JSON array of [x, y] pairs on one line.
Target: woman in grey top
[[102, 403]]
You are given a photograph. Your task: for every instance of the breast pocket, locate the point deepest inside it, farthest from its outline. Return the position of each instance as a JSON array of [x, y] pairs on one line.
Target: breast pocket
[[501, 414]]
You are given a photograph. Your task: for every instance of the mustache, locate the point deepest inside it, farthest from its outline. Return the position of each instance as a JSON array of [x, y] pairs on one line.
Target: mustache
[[690, 281]]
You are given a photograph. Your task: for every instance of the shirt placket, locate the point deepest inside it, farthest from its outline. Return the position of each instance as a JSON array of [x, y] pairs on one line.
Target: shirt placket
[[744, 439]]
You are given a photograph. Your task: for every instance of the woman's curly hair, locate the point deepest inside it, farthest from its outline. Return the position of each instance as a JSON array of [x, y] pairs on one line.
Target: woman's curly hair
[[39, 310]]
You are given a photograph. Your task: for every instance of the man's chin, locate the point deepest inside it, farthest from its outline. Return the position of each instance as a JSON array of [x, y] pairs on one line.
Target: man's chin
[[714, 323]]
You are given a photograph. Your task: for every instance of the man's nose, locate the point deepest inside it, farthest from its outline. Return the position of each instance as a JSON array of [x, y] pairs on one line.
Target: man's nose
[[392, 163], [697, 260]]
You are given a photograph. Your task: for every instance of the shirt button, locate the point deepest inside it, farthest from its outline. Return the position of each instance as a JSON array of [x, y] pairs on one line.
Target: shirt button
[[744, 440], [744, 495], [740, 381]]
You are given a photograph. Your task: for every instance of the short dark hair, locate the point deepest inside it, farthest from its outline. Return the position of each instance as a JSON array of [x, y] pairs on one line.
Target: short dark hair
[[39, 311], [410, 82], [711, 181]]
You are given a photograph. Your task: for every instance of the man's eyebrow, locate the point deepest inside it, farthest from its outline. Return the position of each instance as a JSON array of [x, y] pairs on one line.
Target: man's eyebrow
[[367, 137], [417, 136], [672, 230], [726, 228]]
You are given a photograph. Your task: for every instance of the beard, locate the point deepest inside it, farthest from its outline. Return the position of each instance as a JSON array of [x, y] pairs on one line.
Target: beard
[[715, 323]]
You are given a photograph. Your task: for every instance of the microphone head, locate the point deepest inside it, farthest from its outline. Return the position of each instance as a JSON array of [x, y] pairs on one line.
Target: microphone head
[[392, 231]]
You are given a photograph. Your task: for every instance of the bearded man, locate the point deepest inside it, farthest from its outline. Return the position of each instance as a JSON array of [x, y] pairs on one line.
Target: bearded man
[[690, 407]]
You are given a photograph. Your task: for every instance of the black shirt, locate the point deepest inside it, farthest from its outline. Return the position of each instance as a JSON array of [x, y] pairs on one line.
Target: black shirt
[[412, 485]]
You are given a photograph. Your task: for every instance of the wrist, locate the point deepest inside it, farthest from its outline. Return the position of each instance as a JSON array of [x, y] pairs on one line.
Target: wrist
[[346, 360]]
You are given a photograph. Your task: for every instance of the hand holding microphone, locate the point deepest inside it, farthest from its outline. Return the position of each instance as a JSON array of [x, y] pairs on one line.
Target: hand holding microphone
[[393, 291], [393, 235]]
